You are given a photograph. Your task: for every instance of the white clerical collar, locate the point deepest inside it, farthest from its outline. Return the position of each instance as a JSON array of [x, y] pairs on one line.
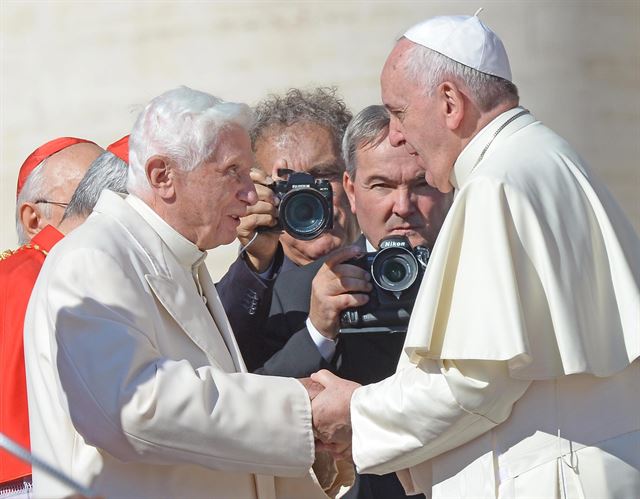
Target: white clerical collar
[[470, 155], [184, 250], [370, 247]]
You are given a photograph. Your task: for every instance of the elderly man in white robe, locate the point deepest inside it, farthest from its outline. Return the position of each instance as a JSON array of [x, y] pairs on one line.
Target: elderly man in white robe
[[136, 385], [519, 376]]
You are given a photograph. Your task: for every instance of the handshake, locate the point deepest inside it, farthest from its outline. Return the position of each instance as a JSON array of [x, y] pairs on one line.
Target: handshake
[[330, 405]]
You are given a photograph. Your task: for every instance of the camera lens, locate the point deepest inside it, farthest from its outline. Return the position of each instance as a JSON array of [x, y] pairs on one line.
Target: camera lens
[[304, 213], [394, 269]]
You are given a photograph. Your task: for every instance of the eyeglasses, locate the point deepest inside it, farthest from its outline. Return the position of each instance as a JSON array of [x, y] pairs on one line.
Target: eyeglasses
[[57, 203]]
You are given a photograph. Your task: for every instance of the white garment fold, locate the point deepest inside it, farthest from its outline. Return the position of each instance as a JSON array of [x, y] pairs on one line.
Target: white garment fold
[[519, 376]]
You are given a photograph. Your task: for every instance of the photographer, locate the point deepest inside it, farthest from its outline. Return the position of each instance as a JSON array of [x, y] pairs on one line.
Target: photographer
[[301, 131], [389, 196]]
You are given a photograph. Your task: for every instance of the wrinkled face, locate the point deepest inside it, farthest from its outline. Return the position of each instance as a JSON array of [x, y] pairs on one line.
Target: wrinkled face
[[390, 196], [212, 198], [417, 120], [309, 148]]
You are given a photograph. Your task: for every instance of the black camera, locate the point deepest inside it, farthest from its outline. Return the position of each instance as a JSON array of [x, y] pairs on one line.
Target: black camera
[[396, 270], [306, 205]]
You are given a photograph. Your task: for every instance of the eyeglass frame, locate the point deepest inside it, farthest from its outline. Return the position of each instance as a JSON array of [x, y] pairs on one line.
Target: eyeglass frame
[[56, 203]]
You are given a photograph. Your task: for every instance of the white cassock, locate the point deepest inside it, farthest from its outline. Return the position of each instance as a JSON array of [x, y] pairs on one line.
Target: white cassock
[[519, 375], [136, 385]]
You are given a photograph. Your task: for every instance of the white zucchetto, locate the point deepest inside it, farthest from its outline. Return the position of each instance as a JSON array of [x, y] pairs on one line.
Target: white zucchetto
[[465, 39]]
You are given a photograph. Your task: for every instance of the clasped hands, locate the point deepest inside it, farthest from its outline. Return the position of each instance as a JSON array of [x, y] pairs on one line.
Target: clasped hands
[[331, 411], [336, 287]]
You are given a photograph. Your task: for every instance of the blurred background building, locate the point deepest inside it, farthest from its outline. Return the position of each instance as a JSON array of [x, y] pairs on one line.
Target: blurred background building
[[86, 68]]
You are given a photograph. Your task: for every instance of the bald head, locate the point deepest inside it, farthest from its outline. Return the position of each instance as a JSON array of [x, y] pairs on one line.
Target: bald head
[[51, 182], [64, 170]]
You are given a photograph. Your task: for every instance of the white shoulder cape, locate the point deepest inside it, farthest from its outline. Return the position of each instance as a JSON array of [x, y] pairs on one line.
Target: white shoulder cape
[[535, 264]]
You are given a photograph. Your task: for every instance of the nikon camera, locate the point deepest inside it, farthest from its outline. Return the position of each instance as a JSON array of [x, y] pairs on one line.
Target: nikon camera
[[396, 270], [306, 205]]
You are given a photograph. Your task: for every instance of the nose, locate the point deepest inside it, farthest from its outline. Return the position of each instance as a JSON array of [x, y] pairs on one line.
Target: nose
[[247, 193], [403, 205], [396, 138]]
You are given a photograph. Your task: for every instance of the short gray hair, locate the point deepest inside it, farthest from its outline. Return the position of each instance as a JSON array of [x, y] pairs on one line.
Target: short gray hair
[[106, 172], [320, 106], [34, 189], [367, 129], [432, 68], [183, 125]]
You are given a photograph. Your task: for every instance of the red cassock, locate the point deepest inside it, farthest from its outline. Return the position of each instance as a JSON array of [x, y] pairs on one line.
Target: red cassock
[[19, 270]]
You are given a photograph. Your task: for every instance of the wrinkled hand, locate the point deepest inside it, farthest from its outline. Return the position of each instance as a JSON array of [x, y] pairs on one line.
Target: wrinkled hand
[[264, 213], [336, 287], [332, 414], [313, 388]]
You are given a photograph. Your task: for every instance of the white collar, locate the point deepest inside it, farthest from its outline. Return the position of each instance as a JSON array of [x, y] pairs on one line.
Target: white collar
[[470, 155], [187, 253]]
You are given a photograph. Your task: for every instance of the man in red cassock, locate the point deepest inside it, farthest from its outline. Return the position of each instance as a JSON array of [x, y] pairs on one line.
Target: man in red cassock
[[46, 182]]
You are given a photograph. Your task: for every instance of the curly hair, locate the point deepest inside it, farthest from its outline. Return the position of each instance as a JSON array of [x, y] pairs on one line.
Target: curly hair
[[319, 106]]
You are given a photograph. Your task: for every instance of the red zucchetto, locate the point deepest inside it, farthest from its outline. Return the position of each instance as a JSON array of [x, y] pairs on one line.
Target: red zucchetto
[[120, 148], [43, 152]]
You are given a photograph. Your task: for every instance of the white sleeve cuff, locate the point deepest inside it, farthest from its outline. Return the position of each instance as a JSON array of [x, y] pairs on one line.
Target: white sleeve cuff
[[326, 346]]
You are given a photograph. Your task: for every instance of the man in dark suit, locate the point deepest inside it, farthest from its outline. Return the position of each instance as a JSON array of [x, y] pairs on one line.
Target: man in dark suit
[[388, 194]]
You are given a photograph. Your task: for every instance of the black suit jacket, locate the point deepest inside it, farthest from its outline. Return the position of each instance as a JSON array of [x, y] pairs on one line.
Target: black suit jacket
[[362, 357], [268, 318]]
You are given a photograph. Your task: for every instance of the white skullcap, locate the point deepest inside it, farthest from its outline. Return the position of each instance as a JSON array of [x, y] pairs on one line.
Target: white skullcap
[[465, 39]]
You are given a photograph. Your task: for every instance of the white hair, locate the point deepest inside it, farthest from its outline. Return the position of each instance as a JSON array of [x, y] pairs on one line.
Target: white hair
[[431, 68], [182, 125], [35, 188]]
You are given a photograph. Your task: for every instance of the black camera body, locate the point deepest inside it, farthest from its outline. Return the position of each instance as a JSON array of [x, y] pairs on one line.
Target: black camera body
[[396, 270], [305, 210]]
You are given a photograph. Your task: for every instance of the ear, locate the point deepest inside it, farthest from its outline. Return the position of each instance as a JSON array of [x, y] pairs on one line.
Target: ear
[[349, 188], [160, 176], [452, 103], [30, 218]]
